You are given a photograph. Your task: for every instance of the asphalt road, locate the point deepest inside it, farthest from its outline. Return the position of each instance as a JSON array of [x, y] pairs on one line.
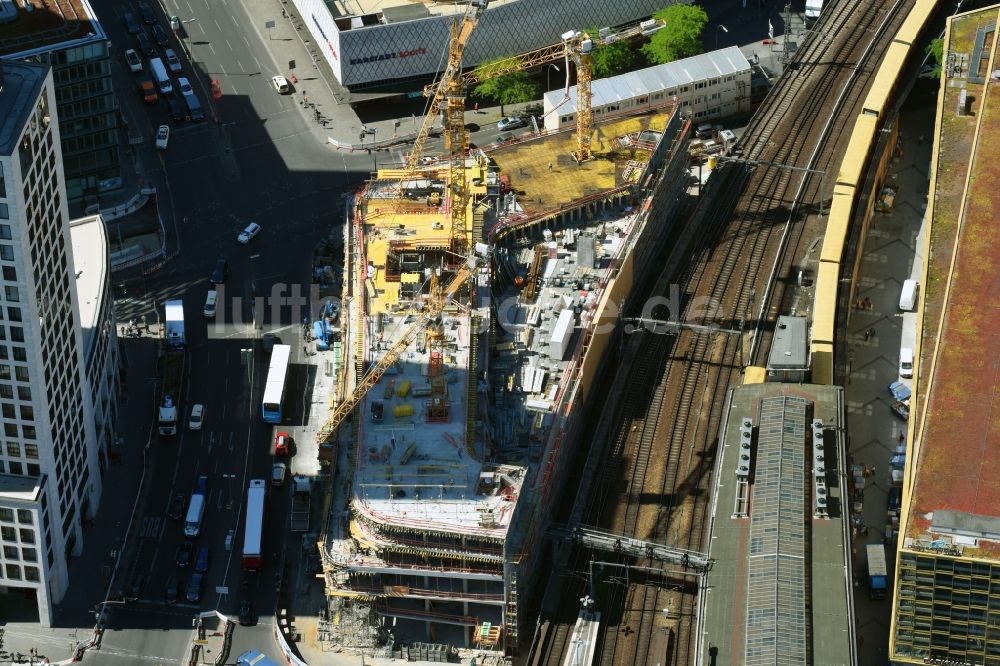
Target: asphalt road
[[260, 162], [263, 162]]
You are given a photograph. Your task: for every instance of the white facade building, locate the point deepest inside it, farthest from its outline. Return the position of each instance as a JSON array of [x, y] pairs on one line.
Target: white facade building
[[373, 43], [709, 85], [48, 444]]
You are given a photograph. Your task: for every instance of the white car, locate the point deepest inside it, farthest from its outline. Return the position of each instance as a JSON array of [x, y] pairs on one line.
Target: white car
[[184, 85], [173, 62], [248, 234], [281, 84], [163, 137], [278, 474], [197, 418], [133, 60]]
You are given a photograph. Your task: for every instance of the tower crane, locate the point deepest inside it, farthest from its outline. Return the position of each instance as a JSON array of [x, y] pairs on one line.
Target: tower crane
[[450, 92], [436, 303], [576, 46]]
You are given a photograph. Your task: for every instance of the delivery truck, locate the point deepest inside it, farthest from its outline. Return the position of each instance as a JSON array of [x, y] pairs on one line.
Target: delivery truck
[[878, 575]]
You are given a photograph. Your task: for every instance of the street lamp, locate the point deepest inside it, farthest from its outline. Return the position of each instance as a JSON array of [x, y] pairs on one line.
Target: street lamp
[[548, 75], [724, 29]]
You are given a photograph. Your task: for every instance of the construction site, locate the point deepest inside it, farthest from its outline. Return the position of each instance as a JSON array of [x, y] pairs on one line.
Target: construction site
[[486, 292]]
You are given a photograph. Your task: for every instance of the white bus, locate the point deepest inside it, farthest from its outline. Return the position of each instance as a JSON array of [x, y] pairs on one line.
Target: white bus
[[274, 389]]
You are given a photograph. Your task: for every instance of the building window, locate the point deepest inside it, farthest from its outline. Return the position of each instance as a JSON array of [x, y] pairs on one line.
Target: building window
[[34, 469], [8, 411], [20, 354], [21, 373], [8, 533], [4, 211], [31, 451], [6, 391], [24, 517], [13, 449], [17, 335], [7, 515], [10, 273], [11, 294], [29, 431], [6, 252], [27, 413], [31, 573], [24, 393], [14, 314], [5, 231], [15, 468], [10, 429], [10, 552], [13, 572], [27, 536], [29, 554]]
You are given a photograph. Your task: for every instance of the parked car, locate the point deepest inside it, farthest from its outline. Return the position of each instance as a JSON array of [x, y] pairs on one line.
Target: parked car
[[160, 35], [246, 613], [162, 137], [201, 562], [147, 13], [175, 24], [176, 109], [194, 588], [197, 418], [133, 60], [249, 233], [145, 43], [219, 272], [511, 122], [173, 62], [184, 553], [184, 85], [177, 506], [504, 138], [282, 444], [281, 84], [895, 498], [131, 24], [278, 474], [173, 589]]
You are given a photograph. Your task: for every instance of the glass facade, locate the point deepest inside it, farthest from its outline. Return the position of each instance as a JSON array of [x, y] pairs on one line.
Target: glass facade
[[88, 118], [947, 608]]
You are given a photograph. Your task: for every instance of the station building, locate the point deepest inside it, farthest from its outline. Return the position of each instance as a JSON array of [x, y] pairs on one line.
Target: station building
[[373, 44], [68, 36], [50, 469], [708, 85]]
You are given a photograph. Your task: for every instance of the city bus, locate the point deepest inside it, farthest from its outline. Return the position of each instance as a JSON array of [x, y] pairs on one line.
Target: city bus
[[274, 389]]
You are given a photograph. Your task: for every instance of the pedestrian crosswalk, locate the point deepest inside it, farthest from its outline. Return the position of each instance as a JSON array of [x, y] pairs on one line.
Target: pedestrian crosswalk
[[151, 527]]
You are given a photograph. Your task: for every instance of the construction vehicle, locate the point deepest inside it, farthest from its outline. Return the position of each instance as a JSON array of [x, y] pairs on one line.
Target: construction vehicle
[[878, 572], [301, 498], [435, 305]]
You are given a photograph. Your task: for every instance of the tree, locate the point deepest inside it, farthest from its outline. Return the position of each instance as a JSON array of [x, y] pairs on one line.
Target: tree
[[610, 59], [681, 35], [936, 51], [512, 88]]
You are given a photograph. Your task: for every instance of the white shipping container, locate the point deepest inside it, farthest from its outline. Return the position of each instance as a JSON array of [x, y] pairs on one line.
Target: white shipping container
[[561, 334]]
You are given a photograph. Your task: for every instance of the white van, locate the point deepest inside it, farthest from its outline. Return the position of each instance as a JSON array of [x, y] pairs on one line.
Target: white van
[[160, 74], [210, 301], [908, 295], [905, 362]]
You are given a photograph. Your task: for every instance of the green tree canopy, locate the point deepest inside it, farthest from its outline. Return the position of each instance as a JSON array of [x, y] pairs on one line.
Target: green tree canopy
[[610, 59], [512, 88], [681, 35], [936, 51]]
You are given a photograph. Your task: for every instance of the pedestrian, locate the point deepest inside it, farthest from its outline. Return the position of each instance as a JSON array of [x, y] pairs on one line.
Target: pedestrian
[[868, 303], [284, 14], [871, 332], [868, 334], [477, 107]]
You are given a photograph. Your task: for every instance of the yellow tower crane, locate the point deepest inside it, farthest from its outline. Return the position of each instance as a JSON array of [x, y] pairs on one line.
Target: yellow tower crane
[[435, 305], [576, 46]]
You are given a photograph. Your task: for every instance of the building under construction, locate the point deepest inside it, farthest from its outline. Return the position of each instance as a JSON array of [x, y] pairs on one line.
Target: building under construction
[[461, 446]]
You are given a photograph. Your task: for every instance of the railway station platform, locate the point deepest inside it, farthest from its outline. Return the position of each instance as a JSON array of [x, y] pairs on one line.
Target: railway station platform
[[777, 587]]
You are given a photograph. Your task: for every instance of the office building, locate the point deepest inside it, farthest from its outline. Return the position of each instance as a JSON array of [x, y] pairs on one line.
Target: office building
[[68, 36], [49, 468]]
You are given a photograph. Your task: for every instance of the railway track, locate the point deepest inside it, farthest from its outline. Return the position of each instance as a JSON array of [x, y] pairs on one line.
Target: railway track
[[657, 483]]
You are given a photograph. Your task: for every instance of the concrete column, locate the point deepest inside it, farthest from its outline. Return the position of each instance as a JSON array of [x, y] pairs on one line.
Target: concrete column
[[465, 611]]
